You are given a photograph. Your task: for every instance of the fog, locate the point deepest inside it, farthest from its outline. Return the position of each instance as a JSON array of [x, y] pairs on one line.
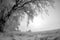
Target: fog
[[44, 22]]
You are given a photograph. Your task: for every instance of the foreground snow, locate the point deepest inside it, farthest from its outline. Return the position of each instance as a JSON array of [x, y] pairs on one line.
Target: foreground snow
[[18, 35]]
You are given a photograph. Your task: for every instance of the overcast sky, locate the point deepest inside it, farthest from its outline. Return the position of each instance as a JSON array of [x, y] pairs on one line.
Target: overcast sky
[[47, 22]]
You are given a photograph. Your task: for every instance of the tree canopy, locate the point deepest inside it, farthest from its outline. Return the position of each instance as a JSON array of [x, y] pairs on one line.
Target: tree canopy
[[30, 6], [22, 7]]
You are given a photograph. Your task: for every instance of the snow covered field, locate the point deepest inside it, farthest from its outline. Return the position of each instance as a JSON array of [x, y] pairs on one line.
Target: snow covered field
[[46, 35]]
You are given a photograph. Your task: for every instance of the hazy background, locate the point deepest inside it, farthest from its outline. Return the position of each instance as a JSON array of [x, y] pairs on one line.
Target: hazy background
[[46, 22]]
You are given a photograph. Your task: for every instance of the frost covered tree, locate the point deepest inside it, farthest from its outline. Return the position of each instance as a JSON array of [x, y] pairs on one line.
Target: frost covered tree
[[12, 10]]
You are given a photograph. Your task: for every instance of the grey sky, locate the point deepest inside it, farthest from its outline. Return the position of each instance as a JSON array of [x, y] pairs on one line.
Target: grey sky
[[47, 22]]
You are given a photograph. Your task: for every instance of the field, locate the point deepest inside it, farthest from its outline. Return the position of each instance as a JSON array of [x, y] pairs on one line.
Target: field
[[45, 35]]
